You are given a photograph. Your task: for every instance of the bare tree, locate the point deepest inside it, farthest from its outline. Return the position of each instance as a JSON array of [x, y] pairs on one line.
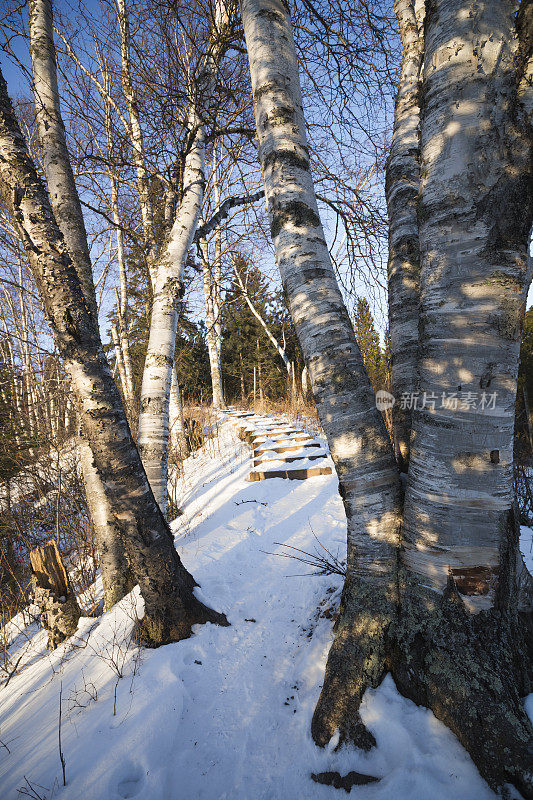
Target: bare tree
[[167, 588]]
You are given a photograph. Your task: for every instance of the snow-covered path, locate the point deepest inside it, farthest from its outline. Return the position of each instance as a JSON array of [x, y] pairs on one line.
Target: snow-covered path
[[225, 714]]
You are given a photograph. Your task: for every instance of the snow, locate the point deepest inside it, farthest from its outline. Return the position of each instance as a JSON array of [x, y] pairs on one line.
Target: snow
[[226, 714], [526, 546]]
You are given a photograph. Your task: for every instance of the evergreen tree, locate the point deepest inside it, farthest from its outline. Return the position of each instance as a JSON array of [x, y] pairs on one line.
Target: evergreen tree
[[368, 341], [245, 344]]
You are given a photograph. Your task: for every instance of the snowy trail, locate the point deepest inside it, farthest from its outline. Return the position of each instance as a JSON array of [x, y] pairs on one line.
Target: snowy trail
[[225, 714]]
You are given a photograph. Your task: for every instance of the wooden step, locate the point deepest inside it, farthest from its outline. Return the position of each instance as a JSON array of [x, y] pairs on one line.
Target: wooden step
[[284, 448], [290, 474], [289, 459], [267, 443]]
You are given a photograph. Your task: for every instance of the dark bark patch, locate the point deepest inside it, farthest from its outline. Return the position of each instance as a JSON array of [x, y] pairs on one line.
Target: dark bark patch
[[282, 115], [295, 213], [271, 16], [506, 211], [345, 782], [266, 88], [473, 581], [286, 158]]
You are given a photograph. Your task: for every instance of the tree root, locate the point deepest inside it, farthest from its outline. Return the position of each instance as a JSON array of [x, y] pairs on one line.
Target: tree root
[[161, 629], [356, 661], [468, 670]]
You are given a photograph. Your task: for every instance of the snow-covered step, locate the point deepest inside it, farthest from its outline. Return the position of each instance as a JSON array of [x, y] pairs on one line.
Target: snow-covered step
[[268, 442], [272, 434], [309, 454], [298, 470], [291, 447]]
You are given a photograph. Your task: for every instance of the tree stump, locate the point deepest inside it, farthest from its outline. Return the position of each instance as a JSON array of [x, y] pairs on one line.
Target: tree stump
[[53, 594]]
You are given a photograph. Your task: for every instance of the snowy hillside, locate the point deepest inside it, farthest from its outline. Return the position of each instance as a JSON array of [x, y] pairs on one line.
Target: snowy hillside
[[226, 714]]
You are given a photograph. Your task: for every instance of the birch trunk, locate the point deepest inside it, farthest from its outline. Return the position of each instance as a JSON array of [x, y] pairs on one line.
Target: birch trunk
[[154, 408], [178, 438], [68, 214], [259, 318], [122, 301], [114, 568], [137, 141], [210, 320], [157, 374], [368, 477], [459, 648], [119, 360], [403, 173], [167, 588]]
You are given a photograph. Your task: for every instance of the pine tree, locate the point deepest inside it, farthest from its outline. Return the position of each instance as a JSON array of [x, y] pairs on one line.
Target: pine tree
[[368, 341]]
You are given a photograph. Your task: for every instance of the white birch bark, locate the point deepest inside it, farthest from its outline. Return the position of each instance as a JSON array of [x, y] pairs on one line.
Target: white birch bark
[[137, 140], [368, 477], [474, 228], [119, 361], [403, 173], [67, 210], [177, 436], [211, 325], [460, 646], [157, 375], [122, 302], [114, 568]]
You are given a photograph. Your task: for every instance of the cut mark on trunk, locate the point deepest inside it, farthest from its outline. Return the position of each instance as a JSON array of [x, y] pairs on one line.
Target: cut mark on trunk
[[472, 581]]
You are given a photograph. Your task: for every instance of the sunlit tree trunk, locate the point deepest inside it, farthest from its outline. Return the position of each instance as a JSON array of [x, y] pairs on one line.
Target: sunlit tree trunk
[[178, 439], [67, 210], [459, 530], [210, 321], [137, 140], [157, 375], [452, 638], [360, 447], [153, 435], [403, 173]]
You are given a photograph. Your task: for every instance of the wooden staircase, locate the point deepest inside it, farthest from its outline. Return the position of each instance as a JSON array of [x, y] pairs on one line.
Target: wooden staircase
[[279, 449]]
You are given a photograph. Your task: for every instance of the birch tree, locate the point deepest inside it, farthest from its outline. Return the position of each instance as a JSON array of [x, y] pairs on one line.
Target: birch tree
[[368, 478], [445, 622], [158, 370], [403, 175], [167, 588], [68, 214]]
